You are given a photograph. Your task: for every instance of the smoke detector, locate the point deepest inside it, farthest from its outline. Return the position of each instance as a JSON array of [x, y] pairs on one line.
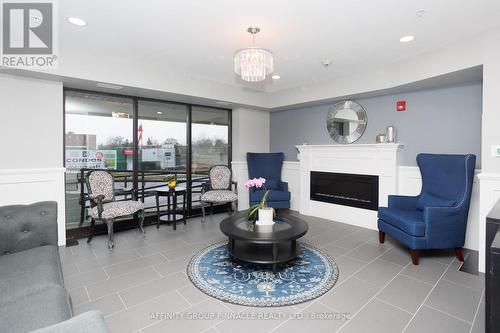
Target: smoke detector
[[326, 63], [420, 12]]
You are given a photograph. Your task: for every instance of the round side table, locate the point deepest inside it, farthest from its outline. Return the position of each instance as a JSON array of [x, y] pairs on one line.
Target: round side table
[[172, 215]]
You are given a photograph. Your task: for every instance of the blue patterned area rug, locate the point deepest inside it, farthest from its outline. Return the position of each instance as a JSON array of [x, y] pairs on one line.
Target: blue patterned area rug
[[309, 276]]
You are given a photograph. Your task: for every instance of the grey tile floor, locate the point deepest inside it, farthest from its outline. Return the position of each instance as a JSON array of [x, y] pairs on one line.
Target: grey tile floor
[[141, 286]]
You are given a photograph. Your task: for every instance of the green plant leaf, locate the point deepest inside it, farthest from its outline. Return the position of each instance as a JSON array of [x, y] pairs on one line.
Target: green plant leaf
[[264, 198], [254, 210]]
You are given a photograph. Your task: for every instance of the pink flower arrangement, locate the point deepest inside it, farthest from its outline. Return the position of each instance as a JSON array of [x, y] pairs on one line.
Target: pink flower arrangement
[[255, 182]]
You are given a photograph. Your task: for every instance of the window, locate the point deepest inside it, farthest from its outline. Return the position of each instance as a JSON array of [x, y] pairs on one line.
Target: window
[[141, 141], [98, 135], [210, 144]]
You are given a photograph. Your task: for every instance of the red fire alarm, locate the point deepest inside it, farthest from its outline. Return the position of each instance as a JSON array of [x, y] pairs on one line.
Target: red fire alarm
[[401, 106]]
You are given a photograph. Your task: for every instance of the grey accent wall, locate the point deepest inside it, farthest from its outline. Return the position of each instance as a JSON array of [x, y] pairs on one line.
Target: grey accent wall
[[445, 120]]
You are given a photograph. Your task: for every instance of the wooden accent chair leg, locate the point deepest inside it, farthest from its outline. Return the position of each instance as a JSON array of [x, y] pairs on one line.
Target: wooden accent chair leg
[[92, 224], [415, 255], [459, 252], [202, 211], [111, 236], [381, 237], [285, 211]]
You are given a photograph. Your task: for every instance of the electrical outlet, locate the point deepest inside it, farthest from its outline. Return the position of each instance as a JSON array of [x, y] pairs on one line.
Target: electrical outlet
[[495, 151]]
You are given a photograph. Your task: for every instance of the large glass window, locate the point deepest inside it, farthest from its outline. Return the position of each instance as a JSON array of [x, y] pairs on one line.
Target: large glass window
[[98, 135], [162, 146], [142, 142], [210, 144]]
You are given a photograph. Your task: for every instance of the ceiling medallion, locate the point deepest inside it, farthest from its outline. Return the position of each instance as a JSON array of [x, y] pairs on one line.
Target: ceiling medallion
[[253, 64]]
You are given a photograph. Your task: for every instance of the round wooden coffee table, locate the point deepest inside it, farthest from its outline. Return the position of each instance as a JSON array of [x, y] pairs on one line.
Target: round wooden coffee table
[[249, 243]]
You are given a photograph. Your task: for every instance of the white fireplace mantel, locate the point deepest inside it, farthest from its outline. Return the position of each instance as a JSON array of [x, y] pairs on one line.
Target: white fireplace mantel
[[380, 160]]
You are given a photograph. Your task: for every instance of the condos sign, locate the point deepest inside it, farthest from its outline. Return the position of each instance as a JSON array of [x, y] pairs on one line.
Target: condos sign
[[90, 159], [28, 34]]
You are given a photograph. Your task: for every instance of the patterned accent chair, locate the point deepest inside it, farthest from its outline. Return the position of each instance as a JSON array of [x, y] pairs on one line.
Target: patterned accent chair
[[219, 189], [437, 217], [101, 188]]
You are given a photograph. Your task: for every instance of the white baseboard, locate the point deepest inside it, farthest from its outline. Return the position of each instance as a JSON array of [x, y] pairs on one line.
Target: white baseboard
[[25, 186]]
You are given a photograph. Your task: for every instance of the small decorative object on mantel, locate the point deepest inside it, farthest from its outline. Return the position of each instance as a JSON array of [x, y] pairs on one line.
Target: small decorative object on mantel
[[390, 134], [265, 214], [380, 138], [171, 181]]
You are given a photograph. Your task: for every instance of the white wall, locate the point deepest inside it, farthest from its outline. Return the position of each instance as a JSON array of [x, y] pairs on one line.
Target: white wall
[[251, 132], [31, 166], [490, 176], [32, 117]]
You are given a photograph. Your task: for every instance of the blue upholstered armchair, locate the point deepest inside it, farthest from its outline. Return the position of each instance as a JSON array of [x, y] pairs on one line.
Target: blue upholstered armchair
[[437, 218], [268, 166]]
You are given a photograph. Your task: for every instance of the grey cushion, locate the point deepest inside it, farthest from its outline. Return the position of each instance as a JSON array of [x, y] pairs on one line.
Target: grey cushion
[[24, 227], [219, 196], [27, 272], [88, 322], [39, 310], [117, 208]]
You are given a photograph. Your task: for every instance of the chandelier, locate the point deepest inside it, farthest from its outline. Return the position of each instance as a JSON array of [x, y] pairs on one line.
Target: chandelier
[[253, 64]]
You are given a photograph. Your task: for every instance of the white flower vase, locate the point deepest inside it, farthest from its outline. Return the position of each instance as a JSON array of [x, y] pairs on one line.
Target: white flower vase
[[265, 217]]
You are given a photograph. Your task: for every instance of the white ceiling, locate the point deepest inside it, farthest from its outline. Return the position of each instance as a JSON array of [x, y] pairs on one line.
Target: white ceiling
[[182, 50], [198, 38]]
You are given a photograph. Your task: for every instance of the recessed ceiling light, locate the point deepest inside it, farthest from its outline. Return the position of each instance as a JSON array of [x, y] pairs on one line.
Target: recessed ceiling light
[[109, 86], [406, 39], [276, 77], [159, 112], [77, 21]]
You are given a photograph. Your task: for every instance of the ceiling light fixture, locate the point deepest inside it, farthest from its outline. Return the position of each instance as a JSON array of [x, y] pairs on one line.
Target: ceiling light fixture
[[253, 64], [77, 21], [276, 77], [406, 39], [159, 112], [109, 86]]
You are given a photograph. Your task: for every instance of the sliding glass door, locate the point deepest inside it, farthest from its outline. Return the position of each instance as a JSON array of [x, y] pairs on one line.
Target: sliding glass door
[[142, 141]]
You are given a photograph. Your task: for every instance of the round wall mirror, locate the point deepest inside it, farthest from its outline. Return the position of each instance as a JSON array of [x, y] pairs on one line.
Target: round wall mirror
[[346, 122]]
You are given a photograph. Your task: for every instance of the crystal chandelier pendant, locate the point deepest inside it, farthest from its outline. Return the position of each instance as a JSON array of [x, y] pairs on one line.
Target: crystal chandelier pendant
[[253, 64]]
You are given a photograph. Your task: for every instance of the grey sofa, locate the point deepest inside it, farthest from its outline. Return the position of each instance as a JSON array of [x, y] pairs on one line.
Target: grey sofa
[[32, 293]]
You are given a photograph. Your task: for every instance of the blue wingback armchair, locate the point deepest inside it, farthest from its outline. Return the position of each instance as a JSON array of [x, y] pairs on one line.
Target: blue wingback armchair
[[437, 217], [268, 166]]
